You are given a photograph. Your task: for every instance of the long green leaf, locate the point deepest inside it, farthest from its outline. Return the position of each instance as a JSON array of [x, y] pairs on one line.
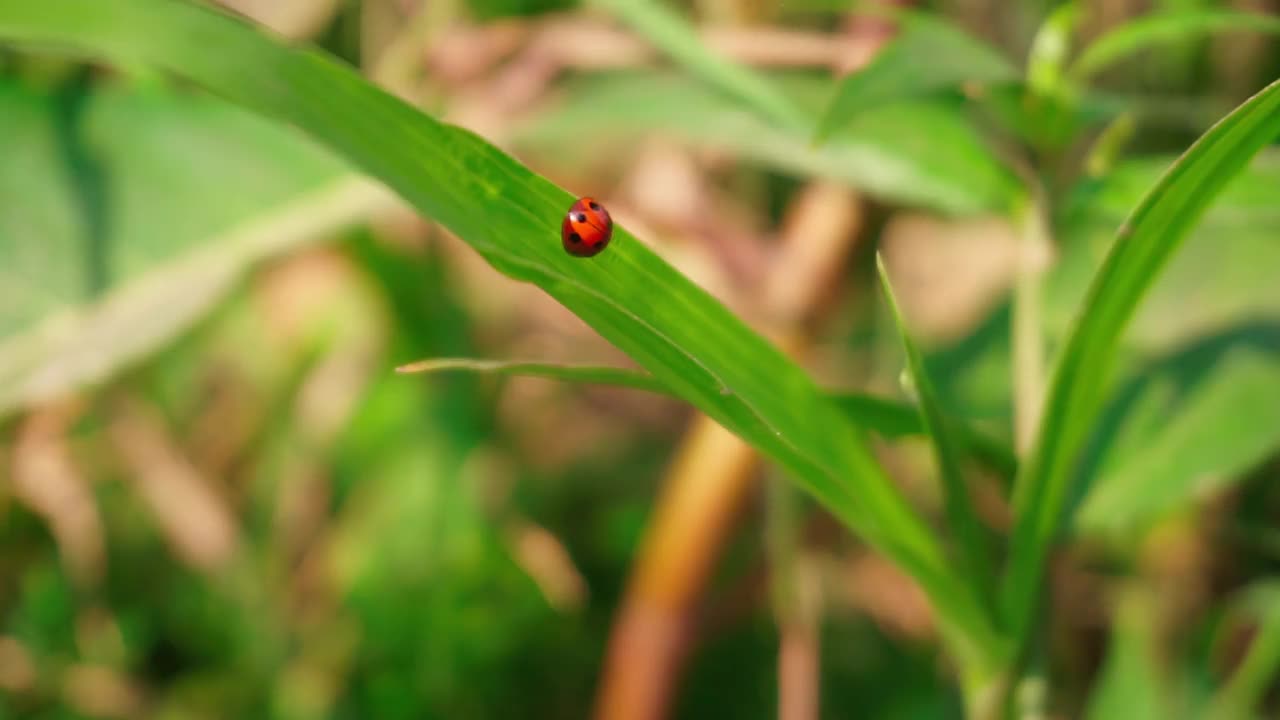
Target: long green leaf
[[594, 374], [675, 37], [961, 516], [1152, 30], [511, 216], [1081, 378], [927, 56], [887, 418]]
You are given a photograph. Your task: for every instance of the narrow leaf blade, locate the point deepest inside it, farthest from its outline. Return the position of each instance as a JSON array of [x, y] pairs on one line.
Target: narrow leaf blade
[[1162, 28], [1083, 371], [887, 418], [961, 515]]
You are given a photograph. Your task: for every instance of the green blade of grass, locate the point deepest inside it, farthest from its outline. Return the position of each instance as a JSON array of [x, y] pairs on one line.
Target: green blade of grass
[[511, 216], [926, 57], [962, 519], [592, 374], [887, 418], [1083, 371], [671, 34], [1162, 28]]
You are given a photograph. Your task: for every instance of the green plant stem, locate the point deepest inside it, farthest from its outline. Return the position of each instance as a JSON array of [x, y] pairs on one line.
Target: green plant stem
[[1027, 331]]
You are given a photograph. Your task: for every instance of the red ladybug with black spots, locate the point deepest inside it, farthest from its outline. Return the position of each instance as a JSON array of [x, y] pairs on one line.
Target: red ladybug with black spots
[[587, 228]]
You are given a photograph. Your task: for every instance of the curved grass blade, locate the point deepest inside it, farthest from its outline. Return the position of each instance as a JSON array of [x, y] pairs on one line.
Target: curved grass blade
[[888, 418], [593, 374], [674, 36], [928, 56], [1162, 28], [510, 215], [975, 552], [1144, 243]]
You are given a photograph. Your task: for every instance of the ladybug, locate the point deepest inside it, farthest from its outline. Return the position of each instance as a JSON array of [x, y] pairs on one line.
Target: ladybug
[[586, 229]]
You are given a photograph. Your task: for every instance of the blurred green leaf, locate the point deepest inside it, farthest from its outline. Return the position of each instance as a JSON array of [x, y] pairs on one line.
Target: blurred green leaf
[[671, 34], [947, 452], [1256, 675], [926, 56], [921, 153], [1205, 436], [511, 216], [1081, 378], [236, 190], [1165, 28], [1047, 55]]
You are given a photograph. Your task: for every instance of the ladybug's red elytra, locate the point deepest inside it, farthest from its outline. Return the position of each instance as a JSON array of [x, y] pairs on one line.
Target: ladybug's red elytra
[[586, 229]]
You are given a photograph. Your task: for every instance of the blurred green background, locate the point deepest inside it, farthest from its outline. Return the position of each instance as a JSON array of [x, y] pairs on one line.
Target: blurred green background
[[217, 499]]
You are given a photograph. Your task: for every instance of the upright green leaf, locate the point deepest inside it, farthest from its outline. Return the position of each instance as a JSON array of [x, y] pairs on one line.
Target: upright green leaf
[[1231, 288], [1081, 378], [947, 453], [927, 56], [511, 216]]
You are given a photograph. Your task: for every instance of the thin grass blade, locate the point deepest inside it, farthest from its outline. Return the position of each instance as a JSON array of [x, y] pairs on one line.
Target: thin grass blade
[[1082, 376], [962, 518], [1164, 28], [887, 418]]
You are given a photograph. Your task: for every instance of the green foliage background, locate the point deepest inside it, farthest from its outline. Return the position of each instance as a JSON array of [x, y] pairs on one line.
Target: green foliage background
[[218, 499]]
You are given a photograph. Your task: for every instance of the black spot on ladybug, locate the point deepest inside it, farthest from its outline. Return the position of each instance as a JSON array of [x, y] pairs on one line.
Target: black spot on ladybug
[[593, 205], [575, 238], [581, 217]]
